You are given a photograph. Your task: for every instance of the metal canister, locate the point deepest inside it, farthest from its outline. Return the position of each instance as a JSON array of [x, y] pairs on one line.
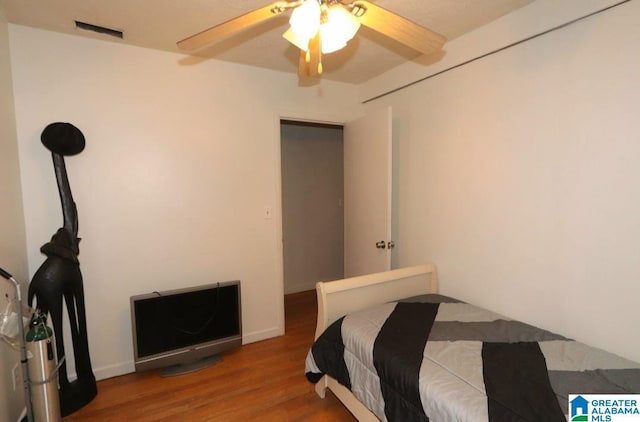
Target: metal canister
[[42, 371]]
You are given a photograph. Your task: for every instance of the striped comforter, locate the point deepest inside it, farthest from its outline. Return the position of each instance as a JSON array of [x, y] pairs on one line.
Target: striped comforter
[[435, 358]]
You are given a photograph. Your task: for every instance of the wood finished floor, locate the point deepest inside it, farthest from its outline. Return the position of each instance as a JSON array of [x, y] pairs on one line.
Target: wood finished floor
[[260, 381]]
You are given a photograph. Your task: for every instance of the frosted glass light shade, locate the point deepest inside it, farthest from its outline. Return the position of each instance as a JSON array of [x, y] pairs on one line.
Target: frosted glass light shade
[[301, 42], [338, 28], [341, 26], [305, 19]]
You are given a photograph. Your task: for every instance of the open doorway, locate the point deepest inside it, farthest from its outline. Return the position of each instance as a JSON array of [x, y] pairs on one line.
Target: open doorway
[[312, 174]]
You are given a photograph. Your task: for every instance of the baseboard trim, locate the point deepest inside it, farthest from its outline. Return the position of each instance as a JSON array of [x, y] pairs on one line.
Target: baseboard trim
[[114, 370], [128, 367], [298, 287], [262, 335]]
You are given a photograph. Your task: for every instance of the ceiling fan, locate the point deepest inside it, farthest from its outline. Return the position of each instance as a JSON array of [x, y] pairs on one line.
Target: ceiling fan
[[324, 26]]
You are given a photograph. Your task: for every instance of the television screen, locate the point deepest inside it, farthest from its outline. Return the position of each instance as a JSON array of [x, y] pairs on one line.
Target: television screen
[[186, 325]]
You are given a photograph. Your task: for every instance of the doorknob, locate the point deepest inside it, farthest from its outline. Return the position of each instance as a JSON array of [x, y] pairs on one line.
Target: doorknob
[[391, 244], [381, 244]]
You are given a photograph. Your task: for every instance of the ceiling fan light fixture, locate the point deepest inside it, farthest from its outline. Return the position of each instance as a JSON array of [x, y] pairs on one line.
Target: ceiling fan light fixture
[[323, 26], [305, 19], [294, 38], [340, 27], [331, 42], [336, 25]]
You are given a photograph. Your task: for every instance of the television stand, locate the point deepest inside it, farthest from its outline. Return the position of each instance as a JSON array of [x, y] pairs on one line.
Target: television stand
[[187, 368]]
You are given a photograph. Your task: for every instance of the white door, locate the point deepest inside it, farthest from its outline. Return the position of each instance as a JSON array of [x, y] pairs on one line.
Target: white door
[[367, 194]]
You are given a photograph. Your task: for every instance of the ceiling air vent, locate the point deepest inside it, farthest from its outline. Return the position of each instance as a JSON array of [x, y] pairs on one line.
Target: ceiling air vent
[[99, 29]]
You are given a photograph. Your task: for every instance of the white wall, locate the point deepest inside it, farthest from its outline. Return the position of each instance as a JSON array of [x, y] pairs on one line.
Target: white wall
[[13, 256], [518, 174], [181, 160]]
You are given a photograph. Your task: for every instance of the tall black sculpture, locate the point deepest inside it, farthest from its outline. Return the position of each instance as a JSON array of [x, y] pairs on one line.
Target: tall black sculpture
[[59, 275]]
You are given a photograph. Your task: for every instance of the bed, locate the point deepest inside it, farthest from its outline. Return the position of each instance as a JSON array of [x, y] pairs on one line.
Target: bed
[[391, 348]]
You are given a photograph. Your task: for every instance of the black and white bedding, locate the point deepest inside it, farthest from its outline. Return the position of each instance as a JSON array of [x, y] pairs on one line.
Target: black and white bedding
[[436, 358]]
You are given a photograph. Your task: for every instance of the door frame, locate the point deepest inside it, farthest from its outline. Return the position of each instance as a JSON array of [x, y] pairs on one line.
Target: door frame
[[299, 136], [311, 117]]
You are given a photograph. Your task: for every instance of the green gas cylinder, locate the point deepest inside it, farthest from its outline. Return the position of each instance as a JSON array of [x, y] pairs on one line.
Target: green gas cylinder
[[43, 370], [39, 330]]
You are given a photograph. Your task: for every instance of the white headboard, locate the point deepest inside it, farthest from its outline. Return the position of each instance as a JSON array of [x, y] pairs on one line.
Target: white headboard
[[340, 297]]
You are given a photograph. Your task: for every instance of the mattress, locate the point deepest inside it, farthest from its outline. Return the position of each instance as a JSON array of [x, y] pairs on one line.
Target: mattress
[[436, 358]]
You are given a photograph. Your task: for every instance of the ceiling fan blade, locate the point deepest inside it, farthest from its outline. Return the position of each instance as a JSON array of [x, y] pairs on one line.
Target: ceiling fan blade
[[315, 53], [218, 32], [396, 27], [310, 62], [303, 66]]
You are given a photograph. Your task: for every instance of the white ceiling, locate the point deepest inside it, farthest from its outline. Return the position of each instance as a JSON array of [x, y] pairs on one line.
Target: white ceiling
[[159, 24]]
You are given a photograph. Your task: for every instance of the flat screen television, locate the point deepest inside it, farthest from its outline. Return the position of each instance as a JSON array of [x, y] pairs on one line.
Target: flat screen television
[[186, 329]]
